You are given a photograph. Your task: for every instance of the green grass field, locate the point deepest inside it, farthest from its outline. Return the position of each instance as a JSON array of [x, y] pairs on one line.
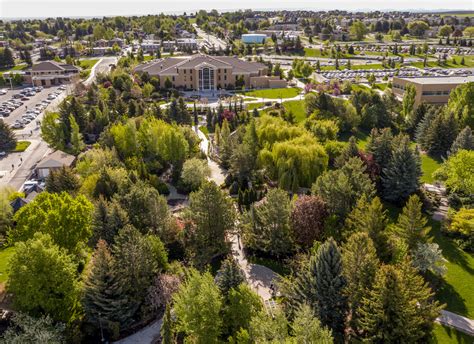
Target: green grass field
[[5, 254], [274, 93], [428, 166], [297, 107], [88, 64], [252, 106], [21, 146], [468, 63], [311, 52], [204, 130], [447, 335], [382, 86], [456, 290]]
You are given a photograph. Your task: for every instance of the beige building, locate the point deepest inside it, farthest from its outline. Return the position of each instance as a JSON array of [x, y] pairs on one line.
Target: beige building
[[431, 90], [53, 162], [48, 73], [210, 73]]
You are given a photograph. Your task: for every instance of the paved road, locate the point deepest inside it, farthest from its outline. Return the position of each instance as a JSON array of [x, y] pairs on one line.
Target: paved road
[[25, 162], [211, 39]]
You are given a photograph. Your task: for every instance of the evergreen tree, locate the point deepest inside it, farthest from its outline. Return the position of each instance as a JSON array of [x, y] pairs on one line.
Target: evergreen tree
[[109, 217], [103, 299], [77, 145], [211, 214], [411, 223], [167, 327], [229, 276], [360, 265], [350, 151], [370, 217], [401, 177], [7, 137], [61, 180], [464, 140], [380, 146], [225, 144], [399, 308], [441, 134], [330, 284]]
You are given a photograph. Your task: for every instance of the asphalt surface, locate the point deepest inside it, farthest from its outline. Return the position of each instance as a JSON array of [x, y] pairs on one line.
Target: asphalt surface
[[16, 168]]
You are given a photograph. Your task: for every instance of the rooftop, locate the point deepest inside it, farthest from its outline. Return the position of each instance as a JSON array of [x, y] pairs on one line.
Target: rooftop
[[441, 80]]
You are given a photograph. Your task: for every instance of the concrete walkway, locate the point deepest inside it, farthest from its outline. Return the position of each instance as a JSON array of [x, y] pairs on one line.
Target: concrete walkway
[[448, 318], [146, 335]]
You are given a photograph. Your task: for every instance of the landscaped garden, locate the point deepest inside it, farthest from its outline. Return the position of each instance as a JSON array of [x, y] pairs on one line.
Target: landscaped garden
[[274, 93]]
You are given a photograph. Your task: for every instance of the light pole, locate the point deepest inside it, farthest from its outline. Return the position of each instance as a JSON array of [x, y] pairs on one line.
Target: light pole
[[101, 330]]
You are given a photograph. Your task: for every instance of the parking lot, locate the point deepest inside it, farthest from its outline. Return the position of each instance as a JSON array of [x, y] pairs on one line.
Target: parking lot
[[25, 116]]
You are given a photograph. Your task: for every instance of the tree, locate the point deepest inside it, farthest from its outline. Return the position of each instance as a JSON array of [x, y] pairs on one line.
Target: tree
[[411, 223], [26, 329], [7, 60], [211, 214], [43, 279], [358, 29], [380, 146], [66, 219], [360, 264], [103, 298], [341, 188], [146, 208], [195, 171], [229, 276], [197, 306], [445, 31], [167, 334], [408, 102], [308, 217], [109, 217], [464, 140], [8, 140], [469, 31], [329, 286], [269, 229], [308, 329], [241, 306], [429, 257], [418, 28], [138, 258], [461, 103], [370, 217], [6, 210], [61, 180], [390, 313], [401, 177], [351, 150]]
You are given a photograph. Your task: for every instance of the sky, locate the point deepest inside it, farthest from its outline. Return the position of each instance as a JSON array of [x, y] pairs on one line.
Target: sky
[[99, 8]]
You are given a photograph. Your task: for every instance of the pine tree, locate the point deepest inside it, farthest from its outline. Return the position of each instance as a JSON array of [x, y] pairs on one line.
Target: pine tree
[[104, 299], [229, 276], [350, 151], [464, 140], [7, 137], [380, 146], [167, 327], [411, 223], [370, 217], [330, 284], [401, 177], [225, 144], [399, 308], [440, 134], [360, 264]]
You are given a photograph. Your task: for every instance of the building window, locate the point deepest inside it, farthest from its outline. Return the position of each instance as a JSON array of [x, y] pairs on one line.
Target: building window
[[225, 77], [173, 78], [185, 71]]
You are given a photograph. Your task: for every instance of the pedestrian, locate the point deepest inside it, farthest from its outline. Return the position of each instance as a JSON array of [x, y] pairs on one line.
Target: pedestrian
[[21, 159], [13, 167]]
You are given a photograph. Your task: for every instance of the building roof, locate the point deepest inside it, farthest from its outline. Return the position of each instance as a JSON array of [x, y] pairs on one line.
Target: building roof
[[170, 66], [53, 66], [441, 80], [56, 159]]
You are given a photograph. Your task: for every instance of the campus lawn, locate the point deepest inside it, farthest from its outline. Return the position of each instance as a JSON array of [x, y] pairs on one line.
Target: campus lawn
[[297, 107], [456, 290], [359, 87], [468, 63], [21, 146], [252, 106], [312, 52], [272, 264], [428, 166], [381, 86], [362, 138], [360, 66], [88, 64], [274, 93], [148, 58], [447, 335], [5, 254]]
